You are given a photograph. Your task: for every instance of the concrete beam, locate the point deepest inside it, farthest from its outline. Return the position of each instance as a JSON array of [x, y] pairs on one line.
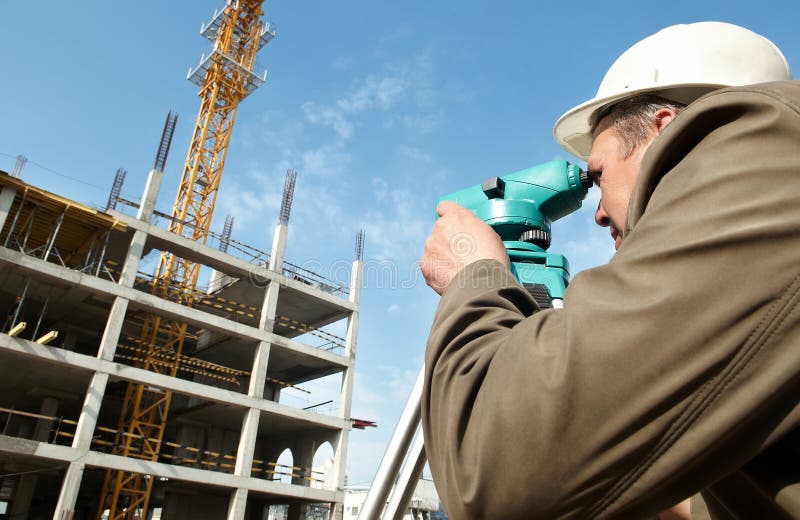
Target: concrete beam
[[225, 263], [159, 469], [149, 302], [190, 388]]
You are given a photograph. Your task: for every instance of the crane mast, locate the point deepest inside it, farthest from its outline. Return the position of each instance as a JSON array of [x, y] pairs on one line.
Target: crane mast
[[225, 76]]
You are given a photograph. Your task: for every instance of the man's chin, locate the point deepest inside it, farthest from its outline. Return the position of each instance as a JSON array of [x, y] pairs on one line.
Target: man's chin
[[615, 235]]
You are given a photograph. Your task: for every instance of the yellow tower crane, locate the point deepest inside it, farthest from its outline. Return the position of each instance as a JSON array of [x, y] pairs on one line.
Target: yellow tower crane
[[225, 77]]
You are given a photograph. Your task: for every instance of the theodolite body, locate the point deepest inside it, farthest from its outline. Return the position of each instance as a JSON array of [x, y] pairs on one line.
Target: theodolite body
[[520, 207]]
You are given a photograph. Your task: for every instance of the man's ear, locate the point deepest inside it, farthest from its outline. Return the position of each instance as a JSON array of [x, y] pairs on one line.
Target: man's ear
[[663, 117]]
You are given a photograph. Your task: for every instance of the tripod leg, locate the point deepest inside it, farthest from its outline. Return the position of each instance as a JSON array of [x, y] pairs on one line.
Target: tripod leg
[[395, 453], [407, 483]]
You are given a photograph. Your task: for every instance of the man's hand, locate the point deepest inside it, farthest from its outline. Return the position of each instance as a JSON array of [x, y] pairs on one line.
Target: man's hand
[[459, 238]]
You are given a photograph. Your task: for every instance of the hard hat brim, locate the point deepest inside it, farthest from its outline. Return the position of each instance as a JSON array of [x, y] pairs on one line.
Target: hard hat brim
[[573, 130]]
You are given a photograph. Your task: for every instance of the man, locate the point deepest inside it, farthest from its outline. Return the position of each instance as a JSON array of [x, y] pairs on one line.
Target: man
[[676, 367]]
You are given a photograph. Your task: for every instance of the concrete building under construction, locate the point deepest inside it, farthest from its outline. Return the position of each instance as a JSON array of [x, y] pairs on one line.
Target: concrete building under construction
[[74, 300], [129, 395]]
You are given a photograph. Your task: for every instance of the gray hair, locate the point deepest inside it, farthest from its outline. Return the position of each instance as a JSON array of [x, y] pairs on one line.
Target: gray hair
[[633, 118]]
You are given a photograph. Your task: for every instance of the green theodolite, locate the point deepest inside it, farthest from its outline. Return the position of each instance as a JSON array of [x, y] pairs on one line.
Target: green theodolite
[[520, 207]]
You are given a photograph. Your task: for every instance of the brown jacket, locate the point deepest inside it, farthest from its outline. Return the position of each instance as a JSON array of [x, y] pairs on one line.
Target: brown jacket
[[674, 368]]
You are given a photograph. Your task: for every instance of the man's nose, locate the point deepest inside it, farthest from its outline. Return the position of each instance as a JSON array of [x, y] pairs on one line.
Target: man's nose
[[600, 215]]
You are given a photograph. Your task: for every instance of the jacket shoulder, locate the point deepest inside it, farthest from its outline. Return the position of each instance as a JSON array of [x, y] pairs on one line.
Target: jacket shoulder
[[786, 92]]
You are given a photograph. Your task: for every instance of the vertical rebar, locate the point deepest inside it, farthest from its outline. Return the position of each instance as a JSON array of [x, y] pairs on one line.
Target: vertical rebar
[[288, 195], [166, 141], [360, 245], [19, 166], [227, 229], [116, 189]]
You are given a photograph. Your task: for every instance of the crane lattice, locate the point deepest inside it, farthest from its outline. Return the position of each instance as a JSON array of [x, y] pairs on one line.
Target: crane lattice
[[225, 76]]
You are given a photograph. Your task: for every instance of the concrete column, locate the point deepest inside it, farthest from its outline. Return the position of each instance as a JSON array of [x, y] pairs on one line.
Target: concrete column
[[297, 511], [132, 259], [65, 507], [258, 377], [303, 453], [338, 511], [150, 195], [237, 507], [7, 195], [26, 486], [303, 456], [49, 408], [87, 420], [278, 247], [110, 339], [339, 476], [258, 374], [136, 248], [82, 441], [247, 443], [346, 396], [351, 339], [356, 272], [70, 340]]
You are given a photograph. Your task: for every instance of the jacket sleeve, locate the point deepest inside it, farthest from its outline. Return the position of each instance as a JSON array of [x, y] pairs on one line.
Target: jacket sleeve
[[668, 368]]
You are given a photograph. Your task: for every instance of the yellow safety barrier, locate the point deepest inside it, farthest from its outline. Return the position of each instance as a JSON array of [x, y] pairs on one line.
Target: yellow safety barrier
[[284, 321]]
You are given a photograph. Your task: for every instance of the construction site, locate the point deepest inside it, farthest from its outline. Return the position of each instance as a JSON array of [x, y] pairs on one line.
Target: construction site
[[138, 392]]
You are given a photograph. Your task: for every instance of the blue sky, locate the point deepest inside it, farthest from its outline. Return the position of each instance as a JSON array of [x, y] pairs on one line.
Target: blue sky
[[381, 107]]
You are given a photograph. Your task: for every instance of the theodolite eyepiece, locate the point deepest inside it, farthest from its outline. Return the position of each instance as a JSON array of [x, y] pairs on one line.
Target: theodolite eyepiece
[[520, 207]]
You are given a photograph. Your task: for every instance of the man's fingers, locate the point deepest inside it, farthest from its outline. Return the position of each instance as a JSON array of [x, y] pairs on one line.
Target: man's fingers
[[446, 206]]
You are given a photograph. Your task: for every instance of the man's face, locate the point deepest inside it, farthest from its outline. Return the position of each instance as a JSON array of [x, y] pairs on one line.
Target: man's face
[[615, 175]]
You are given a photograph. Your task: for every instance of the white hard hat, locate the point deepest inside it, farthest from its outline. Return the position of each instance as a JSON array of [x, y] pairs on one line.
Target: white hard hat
[[679, 63]]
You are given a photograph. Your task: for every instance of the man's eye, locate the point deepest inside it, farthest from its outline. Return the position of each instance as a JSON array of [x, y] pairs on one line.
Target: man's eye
[[594, 174]]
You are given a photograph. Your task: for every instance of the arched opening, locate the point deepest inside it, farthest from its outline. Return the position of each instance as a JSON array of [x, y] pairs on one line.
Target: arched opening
[[322, 468], [284, 467]]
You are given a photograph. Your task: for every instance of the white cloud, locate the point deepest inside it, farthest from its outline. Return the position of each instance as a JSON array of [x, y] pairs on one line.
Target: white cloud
[[407, 84], [328, 116], [325, 161], [415, 154], [422, 123], [364, 453], [397, 232], [380, 93], [374, 93]]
